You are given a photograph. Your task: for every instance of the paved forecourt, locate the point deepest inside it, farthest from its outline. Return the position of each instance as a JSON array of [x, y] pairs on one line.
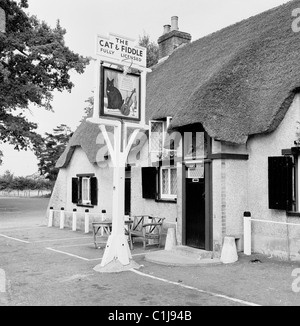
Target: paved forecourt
[[62, 241], [50, 266]]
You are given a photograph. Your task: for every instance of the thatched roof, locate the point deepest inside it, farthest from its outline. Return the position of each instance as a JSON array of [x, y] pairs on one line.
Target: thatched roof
[[236, 82], [85, 137]]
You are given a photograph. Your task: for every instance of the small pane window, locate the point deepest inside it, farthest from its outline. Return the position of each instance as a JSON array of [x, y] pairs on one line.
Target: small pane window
[[168, 183], [156, 136], [86, 191], [173, 182]]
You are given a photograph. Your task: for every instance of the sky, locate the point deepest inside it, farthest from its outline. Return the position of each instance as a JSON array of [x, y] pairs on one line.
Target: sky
[[83, 20]]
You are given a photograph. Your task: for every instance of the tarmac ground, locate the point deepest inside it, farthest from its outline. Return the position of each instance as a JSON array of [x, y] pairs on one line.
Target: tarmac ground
[[52, 267], [41, 266]]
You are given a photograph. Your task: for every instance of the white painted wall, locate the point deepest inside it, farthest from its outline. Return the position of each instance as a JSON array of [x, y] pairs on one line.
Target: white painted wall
[[240, 186], [62, 192], [272, 239]]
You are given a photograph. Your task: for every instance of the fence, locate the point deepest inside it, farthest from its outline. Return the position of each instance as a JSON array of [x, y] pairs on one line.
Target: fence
[[248, 233], [24, 193], [62, 214]]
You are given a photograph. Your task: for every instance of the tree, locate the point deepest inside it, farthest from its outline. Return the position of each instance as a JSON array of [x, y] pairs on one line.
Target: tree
[[88, 110], [34, 61], [152, 49], [50, 148], [6, 180]]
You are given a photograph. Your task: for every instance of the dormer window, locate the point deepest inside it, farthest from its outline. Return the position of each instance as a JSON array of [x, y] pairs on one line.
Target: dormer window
[[158, 136]]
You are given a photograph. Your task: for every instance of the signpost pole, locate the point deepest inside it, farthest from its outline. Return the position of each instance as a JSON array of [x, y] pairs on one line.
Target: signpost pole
[[112, 51]]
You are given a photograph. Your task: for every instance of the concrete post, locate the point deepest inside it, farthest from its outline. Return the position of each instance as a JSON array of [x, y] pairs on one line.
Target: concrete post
[[62, 218], [86, 221], [247, 233], [50, 218], [74, 220]]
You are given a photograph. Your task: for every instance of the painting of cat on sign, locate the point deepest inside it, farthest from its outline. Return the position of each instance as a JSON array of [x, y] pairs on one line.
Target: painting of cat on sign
[[120, 94]]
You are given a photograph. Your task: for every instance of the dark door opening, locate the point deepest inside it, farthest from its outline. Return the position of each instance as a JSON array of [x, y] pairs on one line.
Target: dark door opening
[[195, 213]]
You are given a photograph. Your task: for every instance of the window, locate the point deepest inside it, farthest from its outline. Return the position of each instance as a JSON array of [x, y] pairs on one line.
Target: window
[[85, 190], [195, 145], [168, 183], [159, 183], [86, 195], [158, 131]]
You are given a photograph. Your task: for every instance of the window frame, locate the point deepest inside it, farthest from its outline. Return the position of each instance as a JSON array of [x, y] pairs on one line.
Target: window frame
[[165, 125], [92, 186], [88, 190], [162, 195]]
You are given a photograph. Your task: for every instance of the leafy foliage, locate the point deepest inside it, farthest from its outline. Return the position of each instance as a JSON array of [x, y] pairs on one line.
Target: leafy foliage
[[50, 148], [152, 49], [88, 110], [9, 182], [34, 61]]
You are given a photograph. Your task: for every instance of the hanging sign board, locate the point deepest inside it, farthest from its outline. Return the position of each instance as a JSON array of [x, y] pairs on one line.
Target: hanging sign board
[[121, 95], [121, 49]]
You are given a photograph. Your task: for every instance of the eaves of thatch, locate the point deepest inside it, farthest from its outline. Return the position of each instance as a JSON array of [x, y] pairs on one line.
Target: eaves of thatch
[[236, 82]]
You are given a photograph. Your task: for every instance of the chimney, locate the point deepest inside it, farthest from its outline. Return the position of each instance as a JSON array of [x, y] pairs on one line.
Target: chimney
[[171, 38], [174, 23], [167, 29]]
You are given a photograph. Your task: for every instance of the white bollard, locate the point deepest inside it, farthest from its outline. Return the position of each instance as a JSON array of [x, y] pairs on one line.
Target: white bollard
[[86, 221], [229, 251], [2, 281], [50, 218], [62, 218], [171, 239], [74, 220], [247, 233], [103, 218]]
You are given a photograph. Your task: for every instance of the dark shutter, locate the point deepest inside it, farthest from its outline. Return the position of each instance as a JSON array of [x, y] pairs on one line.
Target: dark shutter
[[280, 182], [75, 184], [149, 182], [94, 191]]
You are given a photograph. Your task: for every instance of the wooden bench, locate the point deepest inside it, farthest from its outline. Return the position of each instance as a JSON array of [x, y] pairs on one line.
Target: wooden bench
[[147, 228]]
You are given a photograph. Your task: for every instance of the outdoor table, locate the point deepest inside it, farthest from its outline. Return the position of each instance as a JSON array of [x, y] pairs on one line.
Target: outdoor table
[[106, 227]]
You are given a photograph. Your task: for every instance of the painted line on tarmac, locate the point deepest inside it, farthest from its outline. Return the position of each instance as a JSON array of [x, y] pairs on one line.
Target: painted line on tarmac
[[247, 303], [68, 254], [20, 229], [11, 238], [64, 239], [77, 245]]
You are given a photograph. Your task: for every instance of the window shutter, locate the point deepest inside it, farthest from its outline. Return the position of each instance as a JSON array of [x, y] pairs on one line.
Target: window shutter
[[280, 182], [149, 182], [75, 184], [94, 191]]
